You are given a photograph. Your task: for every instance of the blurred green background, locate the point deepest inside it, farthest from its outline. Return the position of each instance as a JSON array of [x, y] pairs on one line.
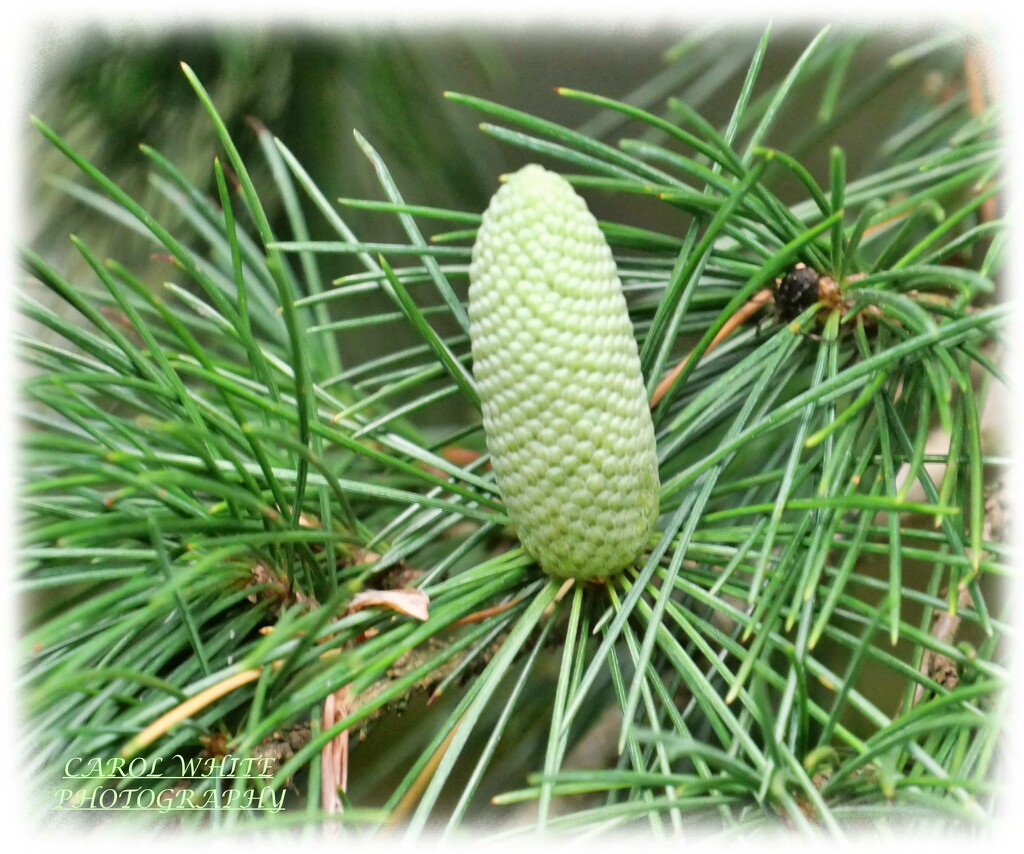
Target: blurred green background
[[108, 92]]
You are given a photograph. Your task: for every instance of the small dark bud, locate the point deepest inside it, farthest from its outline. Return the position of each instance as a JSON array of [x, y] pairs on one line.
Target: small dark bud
[[796, 292]]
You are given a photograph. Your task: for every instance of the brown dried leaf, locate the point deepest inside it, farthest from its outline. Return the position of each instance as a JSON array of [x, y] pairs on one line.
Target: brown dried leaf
[[334, 754], [412, 603]]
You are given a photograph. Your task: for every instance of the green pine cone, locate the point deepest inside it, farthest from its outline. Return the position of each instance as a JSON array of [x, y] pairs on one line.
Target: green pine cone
[[557, 370]]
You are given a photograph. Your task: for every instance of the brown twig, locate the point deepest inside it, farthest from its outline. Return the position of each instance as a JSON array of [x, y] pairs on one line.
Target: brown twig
[[934, 665], [745, 312], [978, 78], [974, 80], [484, 613], [281, 745]]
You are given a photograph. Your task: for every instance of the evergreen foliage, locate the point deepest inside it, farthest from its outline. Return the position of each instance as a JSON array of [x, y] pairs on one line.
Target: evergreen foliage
[[227, 518]]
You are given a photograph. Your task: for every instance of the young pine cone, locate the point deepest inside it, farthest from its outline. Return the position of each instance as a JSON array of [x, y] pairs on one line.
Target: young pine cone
[[556, 365]]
